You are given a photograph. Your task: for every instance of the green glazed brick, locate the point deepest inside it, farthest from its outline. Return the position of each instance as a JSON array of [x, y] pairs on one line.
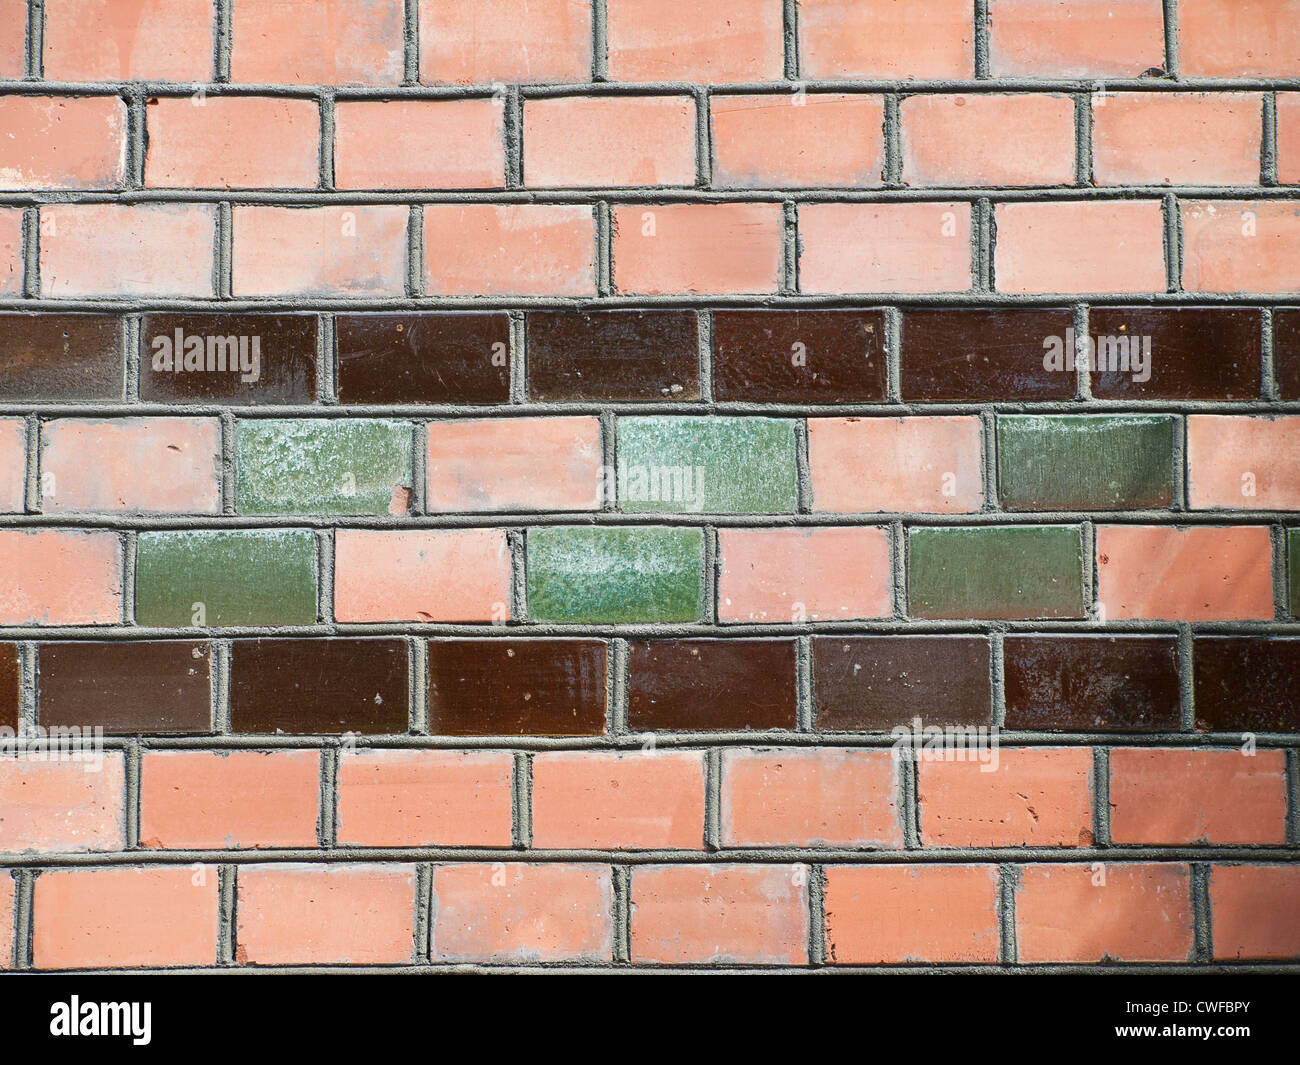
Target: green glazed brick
[[1293, 568], [1010, 571], [323, 466], [219, 578], [707, 465], [614, 576], [1079, 462]]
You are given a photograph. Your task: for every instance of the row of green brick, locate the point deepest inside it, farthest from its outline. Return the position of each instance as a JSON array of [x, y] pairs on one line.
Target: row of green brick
[[618, 575]]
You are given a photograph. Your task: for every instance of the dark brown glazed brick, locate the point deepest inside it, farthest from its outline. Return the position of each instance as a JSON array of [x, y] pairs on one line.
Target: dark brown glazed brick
[[1286, 351], [799, 356], [1246, 684], [53, 357], [874, 683], [1196, 352], [156, 686], [499, 687], [1092, 683], [286, 371], [711, 684], [973, 355], [424, 358], [9, 691], [613, 355], [319, 686]]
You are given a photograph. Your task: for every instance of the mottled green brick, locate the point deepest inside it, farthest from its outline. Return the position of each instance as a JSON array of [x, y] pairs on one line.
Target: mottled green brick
[[708, 465], [614, 576], [244, 577], [1293, 568], [1010, 571], [323, 466], [1086, 462]]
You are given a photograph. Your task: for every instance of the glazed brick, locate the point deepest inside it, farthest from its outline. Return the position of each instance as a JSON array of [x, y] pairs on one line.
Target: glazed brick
[[61, 142], [246, 142], [198, 800], [832, 797], [987, 139], [54, 357], [532, 687], [1288, 138], [10, 698], [513, 464], [60, 577], [1158, 138], [719, 914], [12, 254], [317, 42], [350, 914], [1240, 246], [527, 249], [1254, 914], [876, 683], [1196, 352], [1246, 683], [886, 39], [718, 248], [423, 358], [421, 575], [715, 465], [828, 140], [543, 41], [603, 141], [13, 465], [804, 356], [680, 40], [63, 806], [425, 798], [319, 251], [1083, 462], [1022, 571], [255, 358], [1239, 463], [610, 576], [1237, 38], [1092, 683], [1202, 573], [96, 465], [522, 913], [930, 464], [884, 247], [114, 249], [1114, 247], [642, 800], [1137, 913], [166, 40], [794, 575], [1014, 797], [630, 356], [693, 685], [977, 355], [315, 686], [1079, 39], [901, 914], [227, 577], [126, 917], [402, 144], [1286, 352], [153, 686], [1172, 797]]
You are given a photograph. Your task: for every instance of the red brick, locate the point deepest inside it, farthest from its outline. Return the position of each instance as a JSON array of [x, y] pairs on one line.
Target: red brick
[[13, 465], [1171, 797], [897, 914], [126, 917], [1238, 38], [496, 41], [1029, 796], [403, 144], [13, 65], [106, 40], [318, 42], [1242, 463], [618, 801], [509, 250], [886, 39], [1076, 38], [60, 577], [64, 805], [63, 142], [1253, 912], [8, 896], [682, 40], [728, 914], [196, 800], [1090, 913], [1241, 246], [11, 251], [349, 914], [1288, 138]]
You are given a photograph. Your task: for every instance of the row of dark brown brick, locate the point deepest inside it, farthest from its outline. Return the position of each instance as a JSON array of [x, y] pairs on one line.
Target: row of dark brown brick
[[761, 355], [548, 686]]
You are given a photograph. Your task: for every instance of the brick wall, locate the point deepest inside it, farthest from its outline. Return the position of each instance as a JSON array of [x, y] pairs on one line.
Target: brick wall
[[501, 475]]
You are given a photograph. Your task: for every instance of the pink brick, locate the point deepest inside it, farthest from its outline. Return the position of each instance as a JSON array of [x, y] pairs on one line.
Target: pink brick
[[53, 806], [60, 142], [60, 577], [1076, 38], [1288, 138], [13, 465], [886, 39], [8, 898], [1238, 38], [682, 40], [318, 42], [1241, 246], [106, 40], [491, 41], [1240, 463], [403, 144], [1254, 911], [11, 251], [13, 65]]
